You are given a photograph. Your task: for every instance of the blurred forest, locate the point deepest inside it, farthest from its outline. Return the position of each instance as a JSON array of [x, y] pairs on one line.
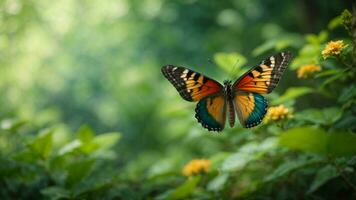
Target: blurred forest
[[87, 114]]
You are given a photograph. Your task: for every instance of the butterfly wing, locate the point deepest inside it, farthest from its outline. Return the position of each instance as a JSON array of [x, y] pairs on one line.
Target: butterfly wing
[[250, 108], [250, 105], [211, 112], [191, 85], [264, 77]]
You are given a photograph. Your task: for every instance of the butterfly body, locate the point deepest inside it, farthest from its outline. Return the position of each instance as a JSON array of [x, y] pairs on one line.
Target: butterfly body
[[242, 98]]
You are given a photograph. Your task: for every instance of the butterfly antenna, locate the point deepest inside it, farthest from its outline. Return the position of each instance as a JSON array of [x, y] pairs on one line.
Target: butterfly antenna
[[210, 61], [234, 70]]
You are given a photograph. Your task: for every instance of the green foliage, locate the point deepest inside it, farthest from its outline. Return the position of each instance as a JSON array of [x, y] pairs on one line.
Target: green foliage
[[319, 141], [184, 190], [291, 94], [60, 169], [231, 63], [61, 67], [324, 175]]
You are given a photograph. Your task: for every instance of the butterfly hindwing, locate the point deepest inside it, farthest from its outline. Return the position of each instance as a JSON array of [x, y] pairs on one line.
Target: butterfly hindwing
[[211, 112], [191, 85], [250, 108], [264, 77]]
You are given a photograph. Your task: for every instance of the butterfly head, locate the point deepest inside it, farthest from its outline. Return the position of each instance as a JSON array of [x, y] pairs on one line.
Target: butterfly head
[[227, 89], [227, 83]]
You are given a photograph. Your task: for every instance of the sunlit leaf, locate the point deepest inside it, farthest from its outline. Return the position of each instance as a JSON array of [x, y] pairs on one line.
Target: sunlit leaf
[[70, 147], [42, 145], [268, 45], [85, 133], [335, 22], [236, 161], [247, 153], [218, 182], [230, 62], [217, 159], [323, 176], [12, 124], [184, 190], [325, 116], [309, 54], [107, 140], [319, 141], [291, 94]]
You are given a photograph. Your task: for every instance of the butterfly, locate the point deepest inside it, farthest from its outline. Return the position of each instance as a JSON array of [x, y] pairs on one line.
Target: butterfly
[[243, 97]]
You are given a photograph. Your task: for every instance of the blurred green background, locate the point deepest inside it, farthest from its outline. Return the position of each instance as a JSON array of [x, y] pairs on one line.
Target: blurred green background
[[96, 65]]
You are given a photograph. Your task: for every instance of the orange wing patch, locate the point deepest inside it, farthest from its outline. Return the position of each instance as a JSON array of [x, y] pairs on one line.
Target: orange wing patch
[[211, 112], [257, 80], [250, 108], [264, 78], [191, 85]]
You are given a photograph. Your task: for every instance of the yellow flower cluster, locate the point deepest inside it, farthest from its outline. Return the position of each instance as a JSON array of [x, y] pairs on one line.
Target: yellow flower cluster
[[306, 70], [195, 167], [333, 48], [277, 113]]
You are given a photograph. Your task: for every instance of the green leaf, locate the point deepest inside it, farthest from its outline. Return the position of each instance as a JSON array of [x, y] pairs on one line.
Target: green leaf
[[247, 153], [348, 93], [217, 159], [70, 147], [292, 93], [328, 72], [218, 182], [319, 141], [278, 43], [325, 116], [42, 145], [26, 155], [100, 142], [77, 171], [336, 22], [332, 79], [236, 161], [55, 193], [85, 133], [107, 140], [184, 190], [317, 39], [230, 62], [12, 124], [291, 166], [323, 176], [268, 45], [309, 54]]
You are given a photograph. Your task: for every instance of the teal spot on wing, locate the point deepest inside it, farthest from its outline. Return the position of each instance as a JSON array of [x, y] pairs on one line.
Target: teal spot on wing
[[205, 118], [259, 111]]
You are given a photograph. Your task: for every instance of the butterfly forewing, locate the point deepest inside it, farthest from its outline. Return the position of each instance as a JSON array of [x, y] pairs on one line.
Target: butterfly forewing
[[264, 77], [191, 85]]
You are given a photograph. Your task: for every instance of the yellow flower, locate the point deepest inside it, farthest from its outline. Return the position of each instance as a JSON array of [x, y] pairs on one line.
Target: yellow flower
[[277, 113], [333, 48], [306, 70], [195, 167]]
